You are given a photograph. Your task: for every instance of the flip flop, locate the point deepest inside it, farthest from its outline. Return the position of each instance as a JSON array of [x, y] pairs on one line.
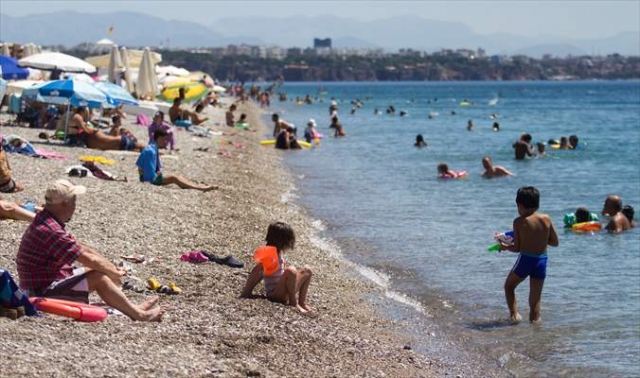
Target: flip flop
[[175, 288], [153, 284], [228, 261], [194, 257]]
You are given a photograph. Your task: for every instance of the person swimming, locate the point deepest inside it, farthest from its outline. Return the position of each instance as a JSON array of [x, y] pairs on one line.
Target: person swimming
[[420, 141]]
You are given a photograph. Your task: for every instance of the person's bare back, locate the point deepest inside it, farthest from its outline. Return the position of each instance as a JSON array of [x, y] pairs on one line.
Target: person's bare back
[[533, 233]]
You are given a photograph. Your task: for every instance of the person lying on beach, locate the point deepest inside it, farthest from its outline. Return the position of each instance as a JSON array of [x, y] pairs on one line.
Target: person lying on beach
[[613, 209], [150, 167], [523, 148], [47, 252], [176, 114], [80, 130], [629, 212], [533, 231], [287, 284], [10, 210], [491, 171], [160, 124], [117, 129], [7, 183]]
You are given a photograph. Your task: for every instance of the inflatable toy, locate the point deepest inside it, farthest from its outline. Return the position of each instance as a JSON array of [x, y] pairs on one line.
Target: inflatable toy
[[79, 311], [587, 227]]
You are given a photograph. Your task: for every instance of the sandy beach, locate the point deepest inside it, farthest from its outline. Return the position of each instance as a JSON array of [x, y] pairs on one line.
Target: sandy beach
[[208, 331]]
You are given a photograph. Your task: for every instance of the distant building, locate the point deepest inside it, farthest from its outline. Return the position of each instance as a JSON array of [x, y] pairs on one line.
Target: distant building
[[321, 43]]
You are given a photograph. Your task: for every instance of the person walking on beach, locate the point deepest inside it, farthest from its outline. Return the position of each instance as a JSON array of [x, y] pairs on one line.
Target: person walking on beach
[[150, 167], [47, 252], [523, 147], [613, 209], [286, 284], [533, 231], [491, 171]]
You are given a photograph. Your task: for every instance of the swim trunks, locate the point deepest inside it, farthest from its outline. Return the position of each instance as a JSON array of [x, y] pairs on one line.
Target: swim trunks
[[8, 187], [529, 264], [127, 143], [72, 288]]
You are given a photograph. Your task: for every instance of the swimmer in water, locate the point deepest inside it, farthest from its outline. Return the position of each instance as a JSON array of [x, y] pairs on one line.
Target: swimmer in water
[[420, 141], [491, 171]]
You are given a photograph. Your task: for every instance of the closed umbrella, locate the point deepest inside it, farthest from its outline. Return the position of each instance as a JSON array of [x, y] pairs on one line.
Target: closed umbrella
[[124, 55], [135, 59], [115, 65], [116, 95], [10, 70], [147, 85], [56, 61], [6, 49]]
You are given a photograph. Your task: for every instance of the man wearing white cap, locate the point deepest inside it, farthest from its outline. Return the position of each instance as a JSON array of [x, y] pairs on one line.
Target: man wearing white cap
[[47, 252]]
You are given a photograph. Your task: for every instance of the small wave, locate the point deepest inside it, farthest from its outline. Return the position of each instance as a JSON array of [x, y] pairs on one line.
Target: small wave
[[319, 225], [288, 196], [493, 101]]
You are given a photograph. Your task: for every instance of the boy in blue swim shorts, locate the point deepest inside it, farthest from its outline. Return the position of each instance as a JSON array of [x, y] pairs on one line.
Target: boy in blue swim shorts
[[532, 233]]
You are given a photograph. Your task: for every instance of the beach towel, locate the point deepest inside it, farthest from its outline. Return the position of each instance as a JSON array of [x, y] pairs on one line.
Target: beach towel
[[142, 120], [97, 159], [11, 296], [15, 144]]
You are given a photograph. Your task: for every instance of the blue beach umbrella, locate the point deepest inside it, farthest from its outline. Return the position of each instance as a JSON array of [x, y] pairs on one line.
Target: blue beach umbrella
[[10, 70], [68, 92], [116, 95]]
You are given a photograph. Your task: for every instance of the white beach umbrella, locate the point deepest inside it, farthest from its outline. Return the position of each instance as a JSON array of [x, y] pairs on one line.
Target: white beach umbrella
[[115, 65], [218, 89], [172, 70], [147, 85], [124, 55], [82, 77], [6, 49], [59, 61], [16, 87], [104, 42], [135, 59]]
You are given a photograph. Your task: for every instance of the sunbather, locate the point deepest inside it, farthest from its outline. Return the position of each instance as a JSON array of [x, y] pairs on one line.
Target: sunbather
[[80, 130], [7, 184], [10, 210]]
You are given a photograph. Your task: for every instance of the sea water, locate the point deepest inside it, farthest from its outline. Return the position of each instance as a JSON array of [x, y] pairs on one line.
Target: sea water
[[382, 203]]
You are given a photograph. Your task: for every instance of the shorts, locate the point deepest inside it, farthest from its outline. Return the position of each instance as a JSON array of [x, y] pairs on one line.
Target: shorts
[[8, 187], [531, 265], [73, 288], [127, 143], [156, 180]]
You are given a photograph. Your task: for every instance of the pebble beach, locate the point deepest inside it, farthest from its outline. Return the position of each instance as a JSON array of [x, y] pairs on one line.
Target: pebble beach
[[207, 331]]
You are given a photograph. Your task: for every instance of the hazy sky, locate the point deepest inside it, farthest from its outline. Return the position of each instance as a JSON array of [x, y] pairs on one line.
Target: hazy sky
[[573, 19]]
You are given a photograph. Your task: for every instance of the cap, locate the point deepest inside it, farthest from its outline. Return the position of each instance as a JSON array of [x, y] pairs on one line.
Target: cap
[[62, 191], [312, 122]]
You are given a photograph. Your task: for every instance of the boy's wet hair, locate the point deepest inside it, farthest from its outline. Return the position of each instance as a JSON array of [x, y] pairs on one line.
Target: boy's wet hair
[[582, 215], [281, 236], [443, 168], [628, 212], [526, 137], [159, 134], [528, 197]]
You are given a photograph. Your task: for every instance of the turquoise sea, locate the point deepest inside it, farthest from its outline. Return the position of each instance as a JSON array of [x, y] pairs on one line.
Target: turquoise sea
[[379, 200]]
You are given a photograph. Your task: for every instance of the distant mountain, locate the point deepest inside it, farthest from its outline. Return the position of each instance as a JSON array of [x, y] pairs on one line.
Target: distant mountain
[[393, 33], [129, 28]]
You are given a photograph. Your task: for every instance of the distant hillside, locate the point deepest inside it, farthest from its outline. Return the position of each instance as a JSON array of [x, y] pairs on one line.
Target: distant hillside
[[393, 33]]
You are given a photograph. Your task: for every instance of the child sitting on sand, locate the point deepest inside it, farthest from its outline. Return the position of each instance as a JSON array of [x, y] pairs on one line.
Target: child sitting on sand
[[286, 282], [532, 233]]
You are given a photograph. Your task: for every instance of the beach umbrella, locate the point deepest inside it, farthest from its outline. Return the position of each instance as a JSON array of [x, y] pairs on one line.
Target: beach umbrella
[[124, 55], [67, 92], [10, 70], [116, 95], [6, 49], [135, 59], [115, 65], [56, 61], [104, 42], [147, 85], [81, 77], [16, 87], [218, 89], [172, 70]]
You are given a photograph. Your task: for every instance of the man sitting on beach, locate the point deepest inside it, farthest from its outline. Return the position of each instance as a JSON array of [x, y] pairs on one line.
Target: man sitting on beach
[[491, 171], [47, 251], [613, 208], [7, 184], [176, 114], [150, 167], [523, 147]]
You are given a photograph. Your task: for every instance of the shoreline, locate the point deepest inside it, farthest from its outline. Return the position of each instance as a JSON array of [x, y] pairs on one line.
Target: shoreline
[[207, 331]]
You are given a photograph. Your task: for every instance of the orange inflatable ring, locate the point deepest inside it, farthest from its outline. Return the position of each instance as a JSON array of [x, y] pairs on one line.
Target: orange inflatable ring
[[587, 226], [79, 311]]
